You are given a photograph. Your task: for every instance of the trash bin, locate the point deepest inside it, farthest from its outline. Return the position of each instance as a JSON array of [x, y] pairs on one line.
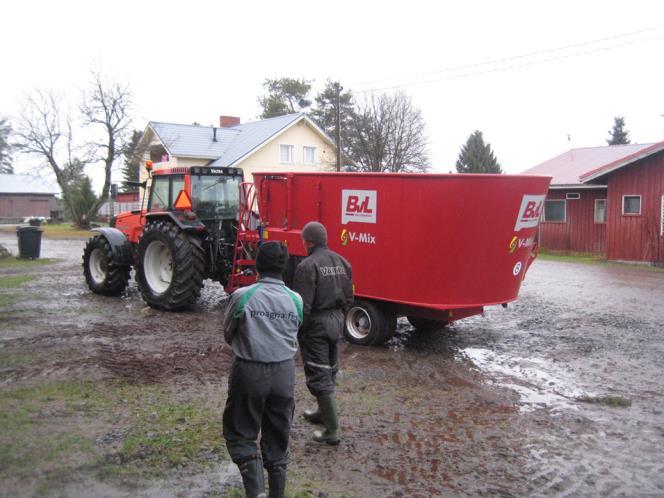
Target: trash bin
[[29, 242]]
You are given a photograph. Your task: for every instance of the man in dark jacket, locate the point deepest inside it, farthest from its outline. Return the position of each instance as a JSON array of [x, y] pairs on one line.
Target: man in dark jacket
[[324, 280], [261, 324]]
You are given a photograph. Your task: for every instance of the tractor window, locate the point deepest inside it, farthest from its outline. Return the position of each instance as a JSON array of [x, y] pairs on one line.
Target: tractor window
[[215, 196], [164, 191]]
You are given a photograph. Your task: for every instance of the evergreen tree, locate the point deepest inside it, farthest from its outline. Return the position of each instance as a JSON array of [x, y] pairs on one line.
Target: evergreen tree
[[618, 135], [477, 157], [132, 160], [285, 96], [325, 111], [5, 148]]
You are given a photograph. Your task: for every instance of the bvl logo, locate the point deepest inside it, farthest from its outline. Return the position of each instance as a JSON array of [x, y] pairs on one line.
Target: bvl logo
[[358, 206], [530, 212]]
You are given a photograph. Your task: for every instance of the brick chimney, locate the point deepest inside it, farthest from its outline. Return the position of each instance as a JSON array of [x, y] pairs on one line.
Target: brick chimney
[[226, 121]]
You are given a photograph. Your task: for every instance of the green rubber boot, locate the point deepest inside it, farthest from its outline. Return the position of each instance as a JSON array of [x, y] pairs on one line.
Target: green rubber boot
[[328, 412], [313, 416], [253, 478]]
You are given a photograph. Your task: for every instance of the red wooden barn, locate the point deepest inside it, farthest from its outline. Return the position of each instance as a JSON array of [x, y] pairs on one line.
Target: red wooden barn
[[607, 201]]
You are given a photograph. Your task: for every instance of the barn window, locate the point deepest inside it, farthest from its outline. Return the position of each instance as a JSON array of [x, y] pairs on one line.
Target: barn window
[[572, 195], [600, 210], [631, 204], [554, 211]]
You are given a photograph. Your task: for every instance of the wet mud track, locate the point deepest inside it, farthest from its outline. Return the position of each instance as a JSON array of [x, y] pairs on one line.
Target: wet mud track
[[489, 406]]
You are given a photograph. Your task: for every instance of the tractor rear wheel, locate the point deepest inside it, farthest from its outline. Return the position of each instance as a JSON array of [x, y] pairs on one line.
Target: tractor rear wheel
[[369, 324], [101, 274], [170, 268]]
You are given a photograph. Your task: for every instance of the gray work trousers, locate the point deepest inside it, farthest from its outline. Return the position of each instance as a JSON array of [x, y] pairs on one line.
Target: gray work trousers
[[260, 398], [319, 344]]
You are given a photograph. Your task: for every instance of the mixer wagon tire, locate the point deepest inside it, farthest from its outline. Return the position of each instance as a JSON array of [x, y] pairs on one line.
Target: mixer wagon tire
[[425, 323], [170, 267], [369, 324], [101, 274]]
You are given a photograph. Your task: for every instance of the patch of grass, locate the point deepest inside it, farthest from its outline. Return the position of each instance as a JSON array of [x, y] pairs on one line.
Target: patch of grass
[[609, 400], [57, 231], [593, 259], [571, 258], [21, 263], [30, 434], [167, 433], [13, 281], [9, 360]]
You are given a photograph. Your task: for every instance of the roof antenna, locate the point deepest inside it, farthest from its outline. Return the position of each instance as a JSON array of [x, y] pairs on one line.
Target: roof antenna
[[214, 133]]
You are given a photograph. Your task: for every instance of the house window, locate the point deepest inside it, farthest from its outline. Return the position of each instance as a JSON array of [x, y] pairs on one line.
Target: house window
[[308, 155], [286, 153], [572, 195], [631, 204], [554, 211], [600, 210]]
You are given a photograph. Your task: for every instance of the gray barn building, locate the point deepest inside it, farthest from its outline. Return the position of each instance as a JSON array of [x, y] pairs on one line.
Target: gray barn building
[[23, 196]]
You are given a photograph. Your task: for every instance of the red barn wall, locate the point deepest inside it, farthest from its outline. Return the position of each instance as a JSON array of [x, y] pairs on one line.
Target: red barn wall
[[636, 238], [579, 233], [24, 205]]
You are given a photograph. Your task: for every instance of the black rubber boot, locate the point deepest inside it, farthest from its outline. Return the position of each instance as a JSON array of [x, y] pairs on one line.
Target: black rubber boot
[[253, 478], [313, 416], [328, 411], [276, 477]]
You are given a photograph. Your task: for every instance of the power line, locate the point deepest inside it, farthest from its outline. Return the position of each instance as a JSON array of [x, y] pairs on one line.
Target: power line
[[506, 59]]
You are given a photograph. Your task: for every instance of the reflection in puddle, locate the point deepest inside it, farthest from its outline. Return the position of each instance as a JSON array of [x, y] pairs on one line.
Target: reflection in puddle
[[539, 383]]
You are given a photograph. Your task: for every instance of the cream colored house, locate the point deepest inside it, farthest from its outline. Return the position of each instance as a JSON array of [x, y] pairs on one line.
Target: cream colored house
[[286, 143]]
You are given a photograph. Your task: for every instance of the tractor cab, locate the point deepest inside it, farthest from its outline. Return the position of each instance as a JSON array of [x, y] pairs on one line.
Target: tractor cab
[[212, 194]]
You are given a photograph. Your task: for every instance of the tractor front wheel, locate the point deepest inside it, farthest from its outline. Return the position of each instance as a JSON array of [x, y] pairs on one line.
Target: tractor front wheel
[[369, 323], [170, 267], [102, 275]]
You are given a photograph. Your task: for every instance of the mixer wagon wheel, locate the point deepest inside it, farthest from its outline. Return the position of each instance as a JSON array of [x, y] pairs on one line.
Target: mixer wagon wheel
[[425, 323], [369, 323], [101, 274], [170, 267]]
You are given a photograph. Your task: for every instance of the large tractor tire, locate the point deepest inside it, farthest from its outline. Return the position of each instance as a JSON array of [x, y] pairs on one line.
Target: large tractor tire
[[369, 324], [101, 274], [170, 267]]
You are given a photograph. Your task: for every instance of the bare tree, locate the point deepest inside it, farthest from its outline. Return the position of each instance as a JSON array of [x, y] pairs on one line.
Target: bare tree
[[387, 134], [106, 106], [45, 130]]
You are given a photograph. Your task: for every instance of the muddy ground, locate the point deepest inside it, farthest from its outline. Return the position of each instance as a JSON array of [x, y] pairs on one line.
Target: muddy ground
[[560, 394]]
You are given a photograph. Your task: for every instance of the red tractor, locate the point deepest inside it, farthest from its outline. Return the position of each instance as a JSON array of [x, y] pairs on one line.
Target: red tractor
[[186, 234]]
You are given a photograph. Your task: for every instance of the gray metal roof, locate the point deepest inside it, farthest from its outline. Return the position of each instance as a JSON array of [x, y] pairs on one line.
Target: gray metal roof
[[26, 184], [233, 142]]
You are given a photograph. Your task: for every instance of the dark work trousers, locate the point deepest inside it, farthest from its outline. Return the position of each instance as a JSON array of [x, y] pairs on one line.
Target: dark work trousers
[[260, 398], [319, 345]]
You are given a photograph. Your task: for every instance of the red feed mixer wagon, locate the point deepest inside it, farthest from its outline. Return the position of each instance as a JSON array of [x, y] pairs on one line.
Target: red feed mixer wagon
[[434, 248]]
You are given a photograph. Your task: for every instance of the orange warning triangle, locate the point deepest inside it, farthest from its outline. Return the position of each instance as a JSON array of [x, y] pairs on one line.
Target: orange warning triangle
[[183, 202]]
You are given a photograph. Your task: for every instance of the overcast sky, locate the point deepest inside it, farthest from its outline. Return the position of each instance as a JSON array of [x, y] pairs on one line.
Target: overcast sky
[[192, 61]]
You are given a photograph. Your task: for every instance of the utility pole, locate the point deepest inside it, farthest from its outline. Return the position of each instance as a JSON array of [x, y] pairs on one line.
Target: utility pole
[[338, 126]]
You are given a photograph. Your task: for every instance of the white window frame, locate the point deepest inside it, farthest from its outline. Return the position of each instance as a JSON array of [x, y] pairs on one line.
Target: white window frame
[[640, 205], [291, 148], [595, 213], [564, 201], [573, 195], [304, 157]]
